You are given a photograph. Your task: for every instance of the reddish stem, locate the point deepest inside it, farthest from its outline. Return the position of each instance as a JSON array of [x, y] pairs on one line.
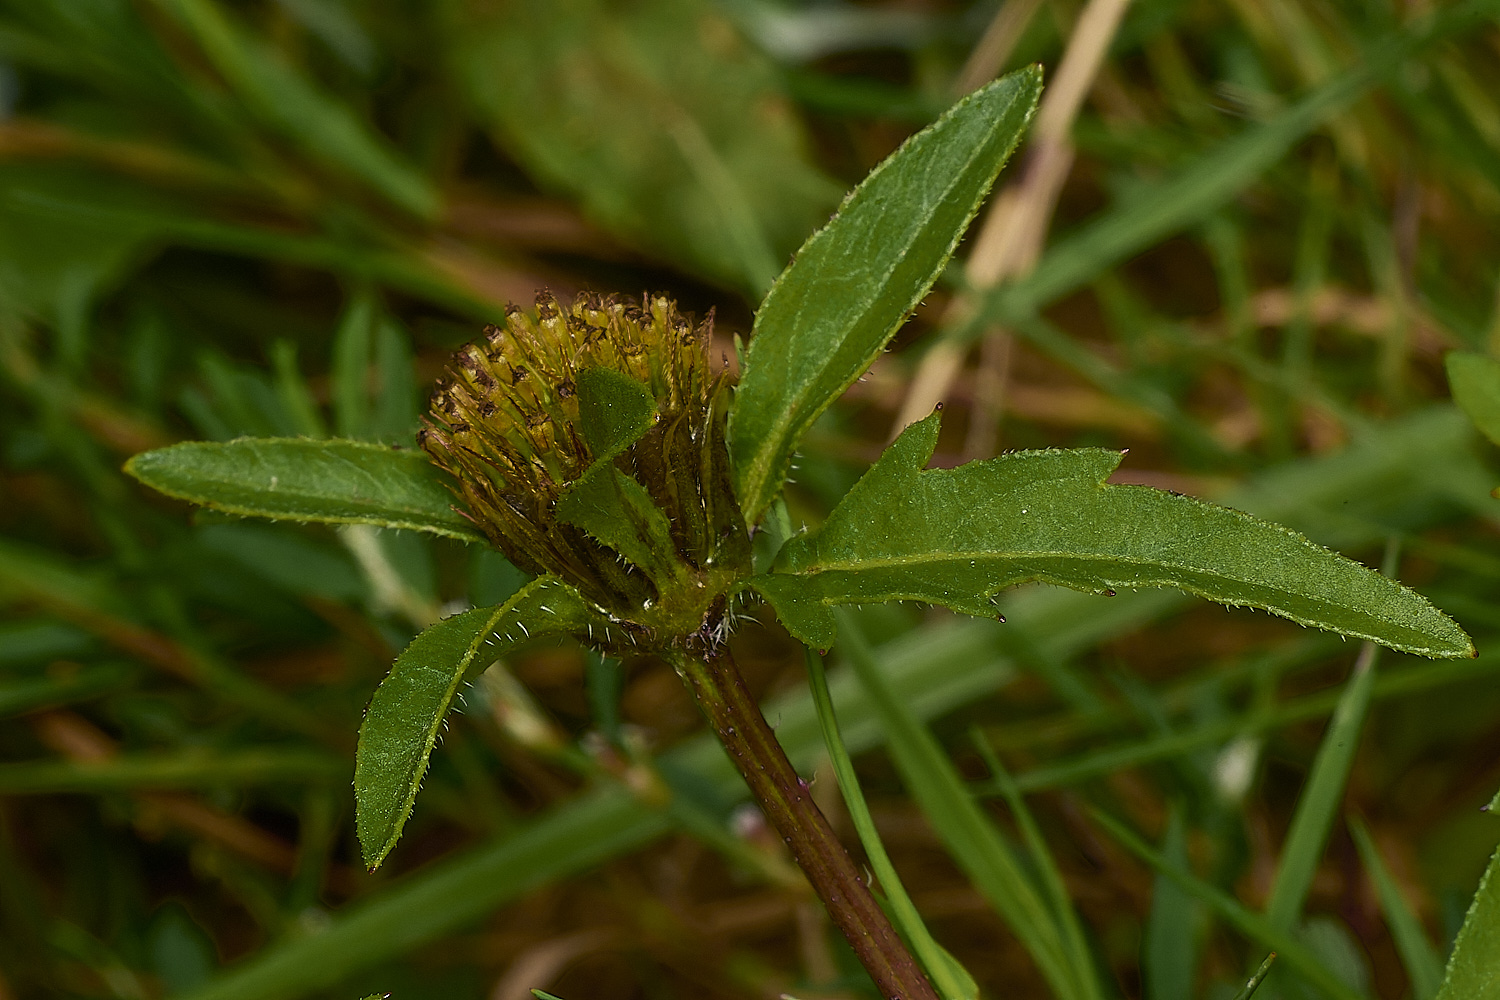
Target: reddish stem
[[716, 685]]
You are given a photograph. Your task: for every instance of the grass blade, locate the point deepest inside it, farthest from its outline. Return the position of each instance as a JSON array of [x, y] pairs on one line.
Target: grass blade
[[1321, 796], [1475, 382], [966, 831], [1255, 980], [949, 978], [1291, 951], [1171, 945], [288, 102], [1423, 966], [1212, 180], [1041, 856], [450, 893], [177, 770]]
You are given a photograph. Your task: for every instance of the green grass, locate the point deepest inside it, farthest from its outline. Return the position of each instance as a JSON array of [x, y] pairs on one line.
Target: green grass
[[279, 219]]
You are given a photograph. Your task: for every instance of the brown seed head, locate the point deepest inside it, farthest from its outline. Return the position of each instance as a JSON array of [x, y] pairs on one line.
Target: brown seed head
[[505, 424]]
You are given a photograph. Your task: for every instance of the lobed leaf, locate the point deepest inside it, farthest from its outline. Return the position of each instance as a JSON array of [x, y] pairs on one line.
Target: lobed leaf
[[855, 281], [956, 537], [405, 715], [298, 479]]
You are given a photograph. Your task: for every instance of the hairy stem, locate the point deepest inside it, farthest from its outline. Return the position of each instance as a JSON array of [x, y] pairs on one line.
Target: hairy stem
[[716, 685]]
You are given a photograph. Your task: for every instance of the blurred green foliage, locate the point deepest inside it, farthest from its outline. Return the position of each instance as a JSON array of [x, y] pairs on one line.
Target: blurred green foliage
[[277, 217]]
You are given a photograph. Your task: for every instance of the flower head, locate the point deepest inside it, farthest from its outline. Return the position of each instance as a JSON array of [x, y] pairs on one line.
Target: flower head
[[509, 421]]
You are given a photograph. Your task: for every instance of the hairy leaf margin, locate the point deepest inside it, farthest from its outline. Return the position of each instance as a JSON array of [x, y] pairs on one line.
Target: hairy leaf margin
[[956, 537], [302, 479], [406, 714]]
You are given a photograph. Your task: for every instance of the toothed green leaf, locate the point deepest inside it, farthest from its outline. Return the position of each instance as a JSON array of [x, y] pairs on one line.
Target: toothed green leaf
[[955, 537]]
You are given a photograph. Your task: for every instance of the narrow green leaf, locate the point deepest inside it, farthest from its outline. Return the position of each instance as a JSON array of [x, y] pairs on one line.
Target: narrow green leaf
[[394, 404], [350, 371], [1394, 685], [1289, 950], [949, 978], [1319, 802], [400, 268], [956, 537], [94, 601], [338, 482], [855, 281], [969, 835], [1047, 873], [27, 694], [453, 892], [1475, 382], [407, 711], [1423, 966], [291, 388], [285, 100], [287, 558], [183, 769], [46, 261], [1169, 954], [1474, 967], [1212, 179]]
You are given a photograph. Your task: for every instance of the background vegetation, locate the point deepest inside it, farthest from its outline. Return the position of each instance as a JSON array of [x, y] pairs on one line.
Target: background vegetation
[[1238, 242]]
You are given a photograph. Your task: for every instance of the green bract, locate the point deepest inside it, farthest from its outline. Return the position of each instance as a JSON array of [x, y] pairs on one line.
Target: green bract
[[589, 443], [594, 445]]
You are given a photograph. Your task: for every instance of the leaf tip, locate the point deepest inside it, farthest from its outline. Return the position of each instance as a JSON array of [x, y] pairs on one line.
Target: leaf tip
[[374, 853]]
